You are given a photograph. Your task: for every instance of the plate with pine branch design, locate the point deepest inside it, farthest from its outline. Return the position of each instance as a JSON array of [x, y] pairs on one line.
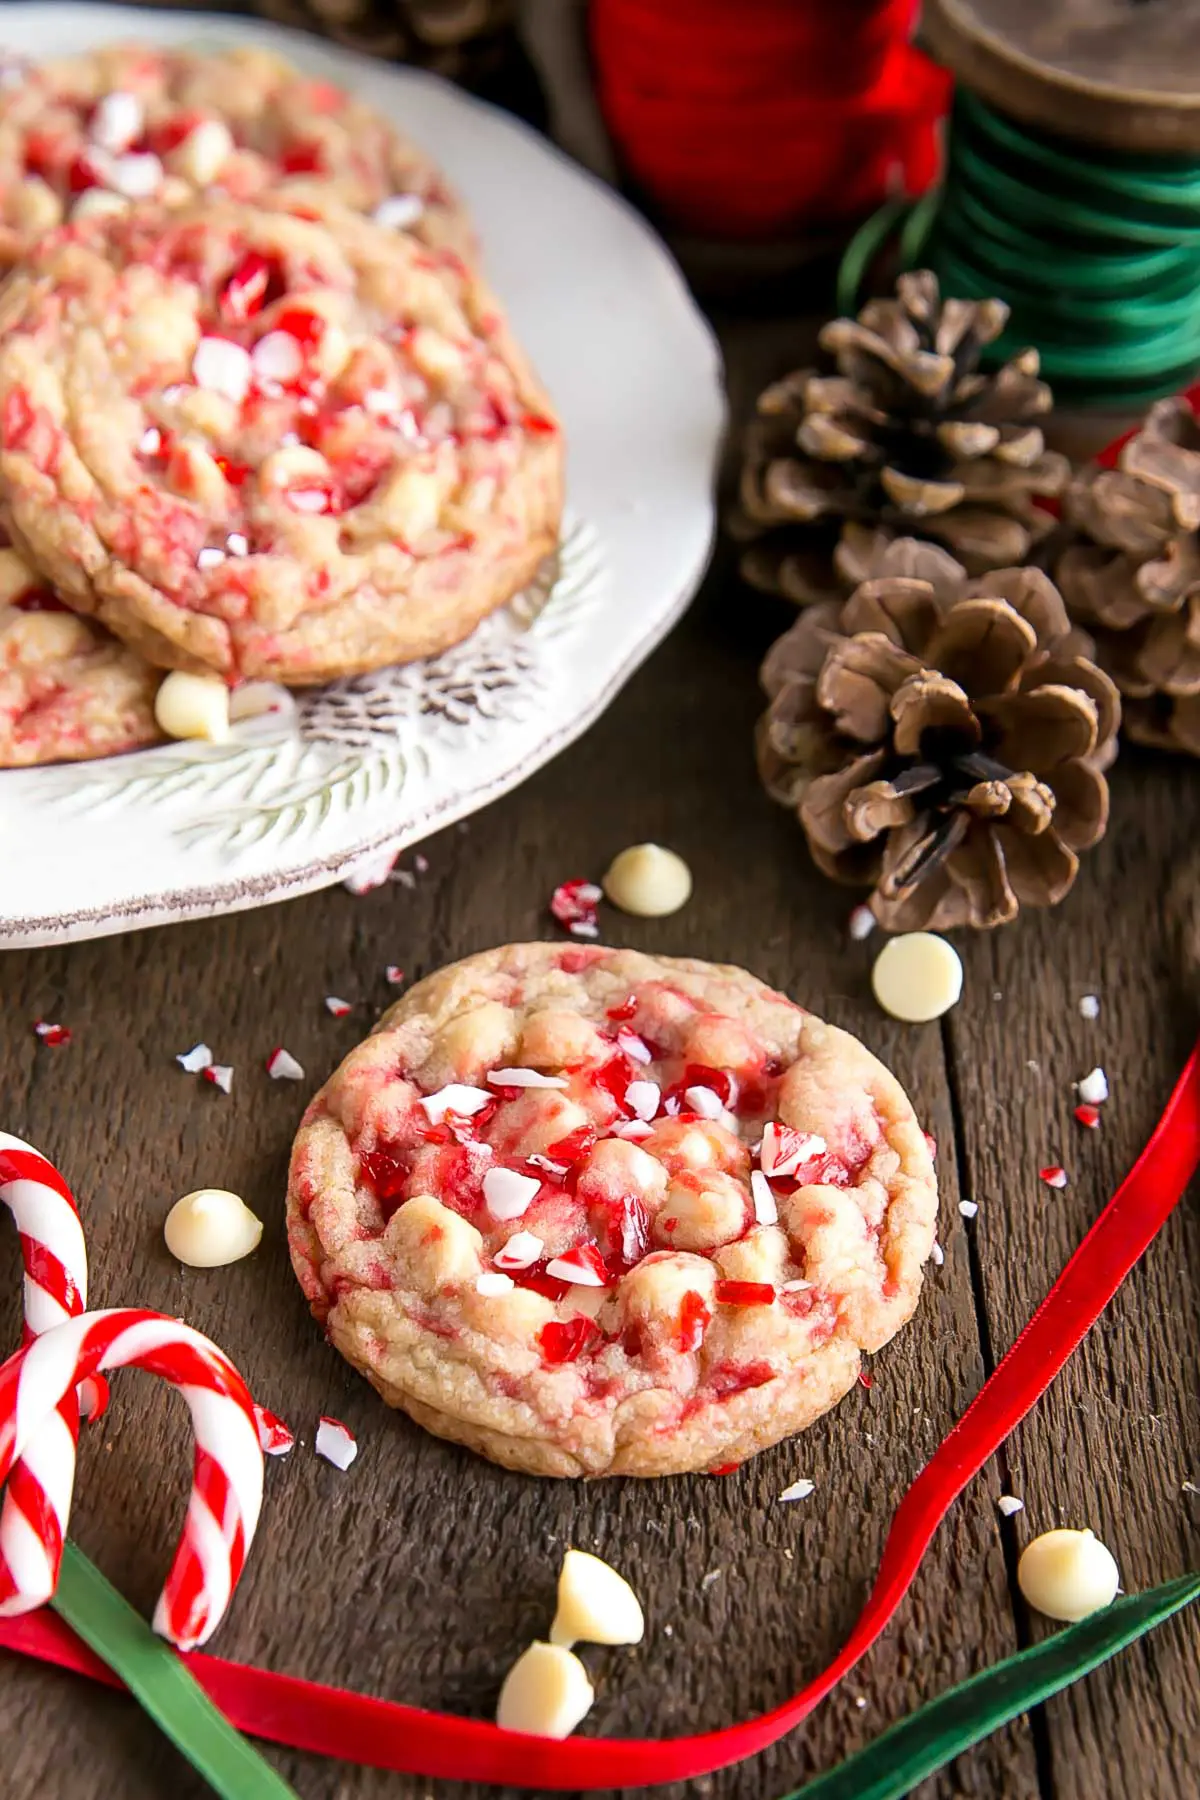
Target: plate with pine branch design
[[366, 767]]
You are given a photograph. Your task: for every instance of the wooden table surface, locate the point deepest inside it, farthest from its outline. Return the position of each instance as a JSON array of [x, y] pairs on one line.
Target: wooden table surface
[[421, 1572]]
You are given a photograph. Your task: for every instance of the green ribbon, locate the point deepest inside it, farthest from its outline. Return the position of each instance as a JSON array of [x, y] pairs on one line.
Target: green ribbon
[[931, 1737], [155, 1675]]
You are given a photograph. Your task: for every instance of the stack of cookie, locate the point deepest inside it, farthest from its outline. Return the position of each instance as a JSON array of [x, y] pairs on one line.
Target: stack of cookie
[[260, 417]]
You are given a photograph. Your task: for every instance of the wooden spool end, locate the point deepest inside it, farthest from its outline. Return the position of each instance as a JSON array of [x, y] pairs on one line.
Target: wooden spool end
[[1124, 74]]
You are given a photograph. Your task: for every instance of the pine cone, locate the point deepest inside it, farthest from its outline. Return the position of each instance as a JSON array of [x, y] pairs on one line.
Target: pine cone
[[446, 35], [900, 431], [942, 740], [1134, 580]]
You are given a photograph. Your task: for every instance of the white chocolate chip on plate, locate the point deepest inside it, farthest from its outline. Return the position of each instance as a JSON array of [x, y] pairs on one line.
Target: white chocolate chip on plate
[[546, 1692], [917, 977], [193, 706], [211, 1227], [595, 1604], [1068, 1574], [648, 881]]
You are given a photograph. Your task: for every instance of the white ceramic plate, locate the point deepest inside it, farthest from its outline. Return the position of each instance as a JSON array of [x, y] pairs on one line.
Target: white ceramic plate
[[372, 765]]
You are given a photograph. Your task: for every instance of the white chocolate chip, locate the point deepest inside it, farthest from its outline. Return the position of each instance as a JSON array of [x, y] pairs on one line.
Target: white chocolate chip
[[117, 121], [648, 881], [210, 1228], [203, 153], [98, 203], [595, 1604], [296, 462], [35, 207], [277, 357], [137, 176], [525, 1078], [643, 1097], [546, 1692], [193, 706], [917, 977], [1089, 1006], [222, 367], [411, 503], [493, 1282], [1068, 1574]]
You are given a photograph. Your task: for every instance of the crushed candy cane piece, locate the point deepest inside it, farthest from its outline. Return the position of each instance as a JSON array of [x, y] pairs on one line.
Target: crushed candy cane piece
[[634, 1047], [797, 1286], [548, 1163], [1093, 1089], [335, 1442], [799, 1490], [394, 974], [766, 1209], [633, 1129], [508, 1195], [274, 1437], [209, 558], [861, 923], [546, 1693], [197, 1058], [370, 873], [1054, 1176], [339, 1008], [493, 1282], [116, 121], [52, 1034], [520, 1252], [1008, 1504], [421, 864], [937, 1255], [137, 175], [222, 367], [220, 1074], [282, 1065], [237, 543], [968, 1208], [399, 211], [595, 1604], [703, 1101], [1088, 1116], [784, 1149], [584, 928], [524, 1078], [642, 1097], [744, 1293], [574, 904], [455, 1097], [1089, 1006], [582, 1267]]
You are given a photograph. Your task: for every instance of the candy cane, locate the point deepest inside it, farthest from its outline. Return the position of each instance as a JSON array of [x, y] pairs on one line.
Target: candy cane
[[33, 1521], [227, 1481]]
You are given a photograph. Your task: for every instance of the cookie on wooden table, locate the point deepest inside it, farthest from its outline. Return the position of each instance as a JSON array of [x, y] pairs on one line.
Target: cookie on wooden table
[[592, 1212], [269, 445], [131, 122], [68, 691]]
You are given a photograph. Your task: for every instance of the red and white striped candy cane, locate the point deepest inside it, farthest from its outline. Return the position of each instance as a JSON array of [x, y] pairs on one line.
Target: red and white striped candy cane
[[33, 1521], [227, 1480]]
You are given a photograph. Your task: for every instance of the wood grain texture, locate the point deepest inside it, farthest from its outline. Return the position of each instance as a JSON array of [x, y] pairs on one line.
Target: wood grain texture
[[421, 1572]]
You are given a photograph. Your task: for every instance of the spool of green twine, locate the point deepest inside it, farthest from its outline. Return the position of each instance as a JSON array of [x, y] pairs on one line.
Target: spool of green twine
[[1097, 253]]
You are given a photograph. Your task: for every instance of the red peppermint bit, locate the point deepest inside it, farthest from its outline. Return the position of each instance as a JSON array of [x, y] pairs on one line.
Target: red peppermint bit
[[171, 133], [725, 1469], [274, 1437], [395, 974], [864, 1380], [83, 174], [247, 290], [930, 1144], [1054, 1176], [1088, 1115], [694, 1317], [626, 1010], [303, 159], [744, 1293], [18, 420], [575, 902], [38, 600], [730, 1378], [537, 425], [235, 473], [722, 1084], [300, 322], [339, 1008], [565, 1340], [386, 1169], [569, 1149], [52, 1034], [585, 1259], [541, 1283]]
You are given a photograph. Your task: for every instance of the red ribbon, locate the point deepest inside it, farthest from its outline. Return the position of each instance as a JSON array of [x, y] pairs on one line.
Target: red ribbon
[[382, 1734]]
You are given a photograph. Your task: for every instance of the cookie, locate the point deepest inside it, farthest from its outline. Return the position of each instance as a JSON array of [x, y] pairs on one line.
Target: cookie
[[591, 1212], [270, 446], [68, 691], [131, 122]]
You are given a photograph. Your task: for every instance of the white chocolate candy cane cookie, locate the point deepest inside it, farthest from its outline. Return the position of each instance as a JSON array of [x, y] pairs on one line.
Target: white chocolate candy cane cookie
[[270, 445], [100, 131], [592, 1212]]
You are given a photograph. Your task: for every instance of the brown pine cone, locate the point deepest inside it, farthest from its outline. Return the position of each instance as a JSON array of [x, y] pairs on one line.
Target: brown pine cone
[[1133, 576], [942, 740], [901, 431]]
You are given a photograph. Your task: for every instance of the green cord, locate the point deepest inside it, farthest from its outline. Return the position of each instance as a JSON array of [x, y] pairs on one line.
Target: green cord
[[160, 1681], [1096, 252], [918, 1746]]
